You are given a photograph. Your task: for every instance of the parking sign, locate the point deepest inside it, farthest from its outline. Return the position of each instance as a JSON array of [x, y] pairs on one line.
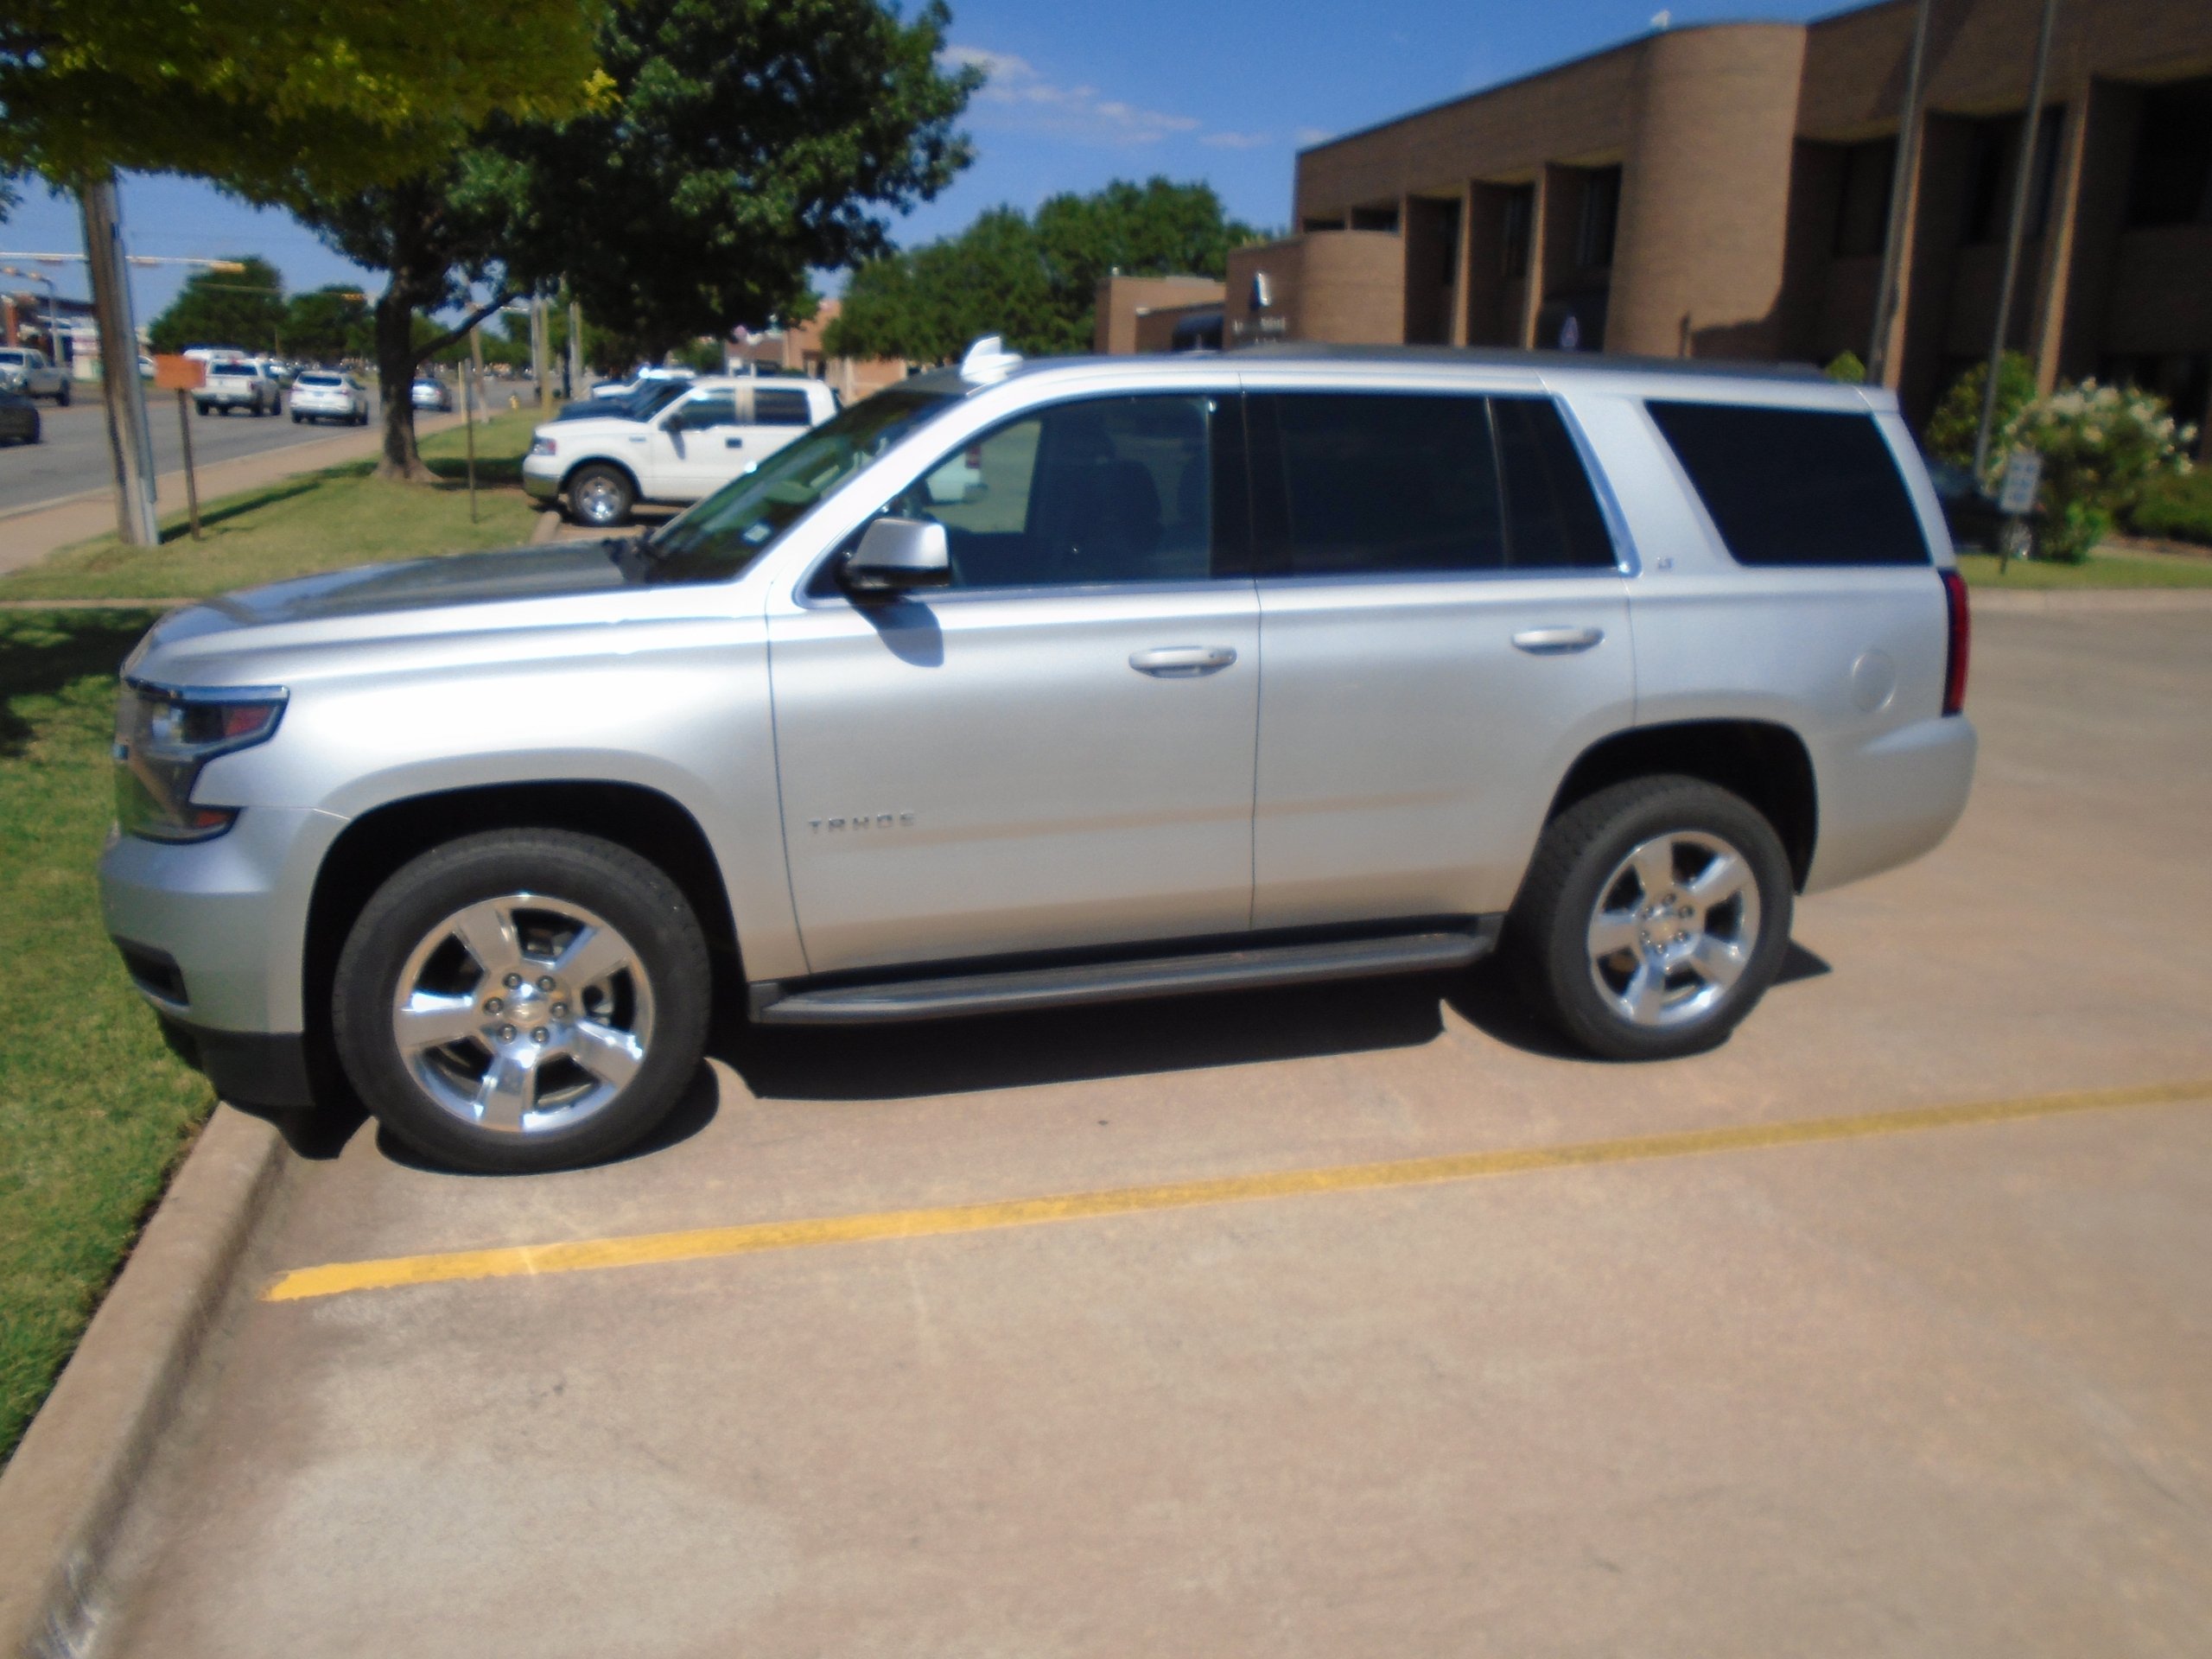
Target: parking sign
[[2016, 495]]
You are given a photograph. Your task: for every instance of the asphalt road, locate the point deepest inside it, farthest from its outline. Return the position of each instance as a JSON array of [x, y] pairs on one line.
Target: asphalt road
[[73, 459], [1908, 1385]]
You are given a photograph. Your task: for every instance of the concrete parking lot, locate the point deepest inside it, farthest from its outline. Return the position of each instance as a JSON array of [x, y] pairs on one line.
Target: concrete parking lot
[[1920, 1386]]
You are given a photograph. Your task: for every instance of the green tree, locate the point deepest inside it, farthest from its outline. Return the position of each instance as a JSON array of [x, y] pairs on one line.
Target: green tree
[[244, 308], [1951, 429], [732, 145], [1033, 281], [1846, 367], [328, 325], [267, 96]]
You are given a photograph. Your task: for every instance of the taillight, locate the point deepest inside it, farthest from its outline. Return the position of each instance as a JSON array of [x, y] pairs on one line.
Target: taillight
[[1961, 636]]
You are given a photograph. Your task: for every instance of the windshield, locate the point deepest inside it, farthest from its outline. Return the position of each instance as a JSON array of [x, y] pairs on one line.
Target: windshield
[[733, 526]]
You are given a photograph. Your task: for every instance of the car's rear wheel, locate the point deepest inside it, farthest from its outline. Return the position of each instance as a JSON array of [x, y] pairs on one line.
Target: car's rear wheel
[[61, 398], [523, 999], [1653, 917], [599, 497]]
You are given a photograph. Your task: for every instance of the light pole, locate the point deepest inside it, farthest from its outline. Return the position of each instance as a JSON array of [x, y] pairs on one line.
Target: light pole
[[2023, 172]]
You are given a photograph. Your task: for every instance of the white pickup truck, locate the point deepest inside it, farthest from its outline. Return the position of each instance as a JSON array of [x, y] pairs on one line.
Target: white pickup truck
[[721, 429], [239, 383], [27, 372]]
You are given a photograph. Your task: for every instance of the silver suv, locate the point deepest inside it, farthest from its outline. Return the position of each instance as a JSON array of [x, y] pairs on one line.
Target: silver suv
[[1023, 685]]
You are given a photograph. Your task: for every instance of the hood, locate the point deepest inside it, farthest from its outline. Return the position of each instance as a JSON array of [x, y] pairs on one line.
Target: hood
[[459, 579]]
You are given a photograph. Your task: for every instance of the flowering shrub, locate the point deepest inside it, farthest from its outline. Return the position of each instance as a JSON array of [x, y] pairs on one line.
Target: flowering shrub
[[2100, 446]]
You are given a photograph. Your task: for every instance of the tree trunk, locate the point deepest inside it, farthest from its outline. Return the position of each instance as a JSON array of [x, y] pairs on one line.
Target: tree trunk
[[395, 361]]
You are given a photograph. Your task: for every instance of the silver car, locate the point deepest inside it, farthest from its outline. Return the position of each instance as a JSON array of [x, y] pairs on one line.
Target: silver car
[[1020, 685]]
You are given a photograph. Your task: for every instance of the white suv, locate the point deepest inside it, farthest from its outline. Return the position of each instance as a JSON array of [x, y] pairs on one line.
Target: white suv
[[721, 429], [27, 372], [329, 395]]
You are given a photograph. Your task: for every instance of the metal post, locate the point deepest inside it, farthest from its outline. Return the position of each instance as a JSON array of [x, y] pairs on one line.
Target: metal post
[[129, 440], [468, 415], [540, 369], [1901, 177], [576, 388], [2024, 181], [191, 484]]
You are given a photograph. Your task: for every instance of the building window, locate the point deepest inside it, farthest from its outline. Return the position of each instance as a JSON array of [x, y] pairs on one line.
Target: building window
[[1518, 214], [1862, 216], [1336, 224], [1375, 219], [2173, 157], [1989, 197], [1601, 214]]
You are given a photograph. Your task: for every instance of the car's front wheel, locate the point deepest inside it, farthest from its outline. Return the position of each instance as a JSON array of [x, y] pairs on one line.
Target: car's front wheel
[[599, 497], [61, 398], [1654, 916], [523, 999]]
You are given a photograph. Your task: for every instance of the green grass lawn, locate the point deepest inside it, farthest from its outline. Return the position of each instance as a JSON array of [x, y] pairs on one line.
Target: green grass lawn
[[2099, 570], [94, 1109], [321, 520]]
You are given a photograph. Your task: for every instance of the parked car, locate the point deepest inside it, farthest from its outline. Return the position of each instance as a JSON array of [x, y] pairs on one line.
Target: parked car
[[1298, 665], [716, 431], [643, 377], [329, 395], [1974, 517], [238, 382], [28, 371], [642, 404], [429, 392], [19, 422]]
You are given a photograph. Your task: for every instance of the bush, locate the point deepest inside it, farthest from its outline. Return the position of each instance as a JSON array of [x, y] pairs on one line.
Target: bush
[[2101, 446], [1846, 367], [2176, 506], [1951, 429]]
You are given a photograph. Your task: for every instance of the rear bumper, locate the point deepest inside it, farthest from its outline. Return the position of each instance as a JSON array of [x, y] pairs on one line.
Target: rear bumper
[[1886, 802]]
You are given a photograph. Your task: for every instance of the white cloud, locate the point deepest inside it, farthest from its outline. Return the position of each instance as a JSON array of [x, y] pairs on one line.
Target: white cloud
[[1312, 135], [1015, 96], [1236, 140]]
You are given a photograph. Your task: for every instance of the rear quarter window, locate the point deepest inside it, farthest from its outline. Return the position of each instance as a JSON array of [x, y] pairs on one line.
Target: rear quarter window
[[1795, 486]]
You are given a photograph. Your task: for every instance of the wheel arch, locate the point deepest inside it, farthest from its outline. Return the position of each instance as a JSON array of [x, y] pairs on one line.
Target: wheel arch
[[373, 847], [1764, 762], [613, 464]]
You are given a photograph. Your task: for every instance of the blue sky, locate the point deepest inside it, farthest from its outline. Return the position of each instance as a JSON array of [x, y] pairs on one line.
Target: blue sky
[[1225, 91]]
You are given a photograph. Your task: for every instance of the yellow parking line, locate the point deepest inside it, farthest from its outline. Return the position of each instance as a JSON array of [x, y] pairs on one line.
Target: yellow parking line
[[583, 1255]]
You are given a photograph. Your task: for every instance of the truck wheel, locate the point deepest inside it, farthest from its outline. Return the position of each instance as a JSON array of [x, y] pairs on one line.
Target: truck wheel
[[523, 999], [61, 398], [1653, 917], [599, 497]]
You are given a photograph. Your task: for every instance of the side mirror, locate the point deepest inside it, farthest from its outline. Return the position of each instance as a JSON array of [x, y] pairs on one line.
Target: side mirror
[[895, 554]]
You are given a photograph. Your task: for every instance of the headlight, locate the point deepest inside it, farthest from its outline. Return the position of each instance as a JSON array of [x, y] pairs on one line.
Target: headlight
[[540, 447], [164, 736]]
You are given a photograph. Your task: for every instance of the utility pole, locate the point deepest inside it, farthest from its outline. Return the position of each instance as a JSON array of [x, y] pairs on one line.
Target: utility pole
[[130, 439], [2024, 171], [576, 388], [1901, 177], [540, 366]]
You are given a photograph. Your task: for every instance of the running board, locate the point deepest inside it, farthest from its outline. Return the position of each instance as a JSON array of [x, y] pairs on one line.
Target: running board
[[1115, 981]]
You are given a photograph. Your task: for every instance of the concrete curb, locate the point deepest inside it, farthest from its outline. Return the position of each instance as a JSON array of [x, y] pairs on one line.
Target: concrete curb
[[2087, 602], [64, 1494], [548, 527]]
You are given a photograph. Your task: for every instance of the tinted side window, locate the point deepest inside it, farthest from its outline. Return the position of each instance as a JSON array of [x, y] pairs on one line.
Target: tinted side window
[[711, 409], [1552, 517], [1110, 490], [1796, 485], [1368, 484], [779, 407]]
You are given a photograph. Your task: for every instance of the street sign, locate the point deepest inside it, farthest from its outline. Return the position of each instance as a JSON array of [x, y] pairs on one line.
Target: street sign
[[179, 373], [2016, 495]]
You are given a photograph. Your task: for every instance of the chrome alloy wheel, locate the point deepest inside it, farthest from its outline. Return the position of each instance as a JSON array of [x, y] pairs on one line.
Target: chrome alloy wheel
[[598, 499], [523, 1013], [1674, 927]]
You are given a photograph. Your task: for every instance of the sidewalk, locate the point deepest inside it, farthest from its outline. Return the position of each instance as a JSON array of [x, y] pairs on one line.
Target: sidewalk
[[30, 538]]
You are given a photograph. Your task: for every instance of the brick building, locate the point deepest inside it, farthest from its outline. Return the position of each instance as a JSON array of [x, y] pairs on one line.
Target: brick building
[[1724, 191]]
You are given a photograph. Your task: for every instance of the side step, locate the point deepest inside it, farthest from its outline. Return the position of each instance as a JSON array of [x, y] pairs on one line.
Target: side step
[[1115, 981]]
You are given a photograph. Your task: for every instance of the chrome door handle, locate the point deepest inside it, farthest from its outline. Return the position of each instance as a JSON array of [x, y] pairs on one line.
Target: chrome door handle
[[1556, 642], [733, 443], [1181, 662]]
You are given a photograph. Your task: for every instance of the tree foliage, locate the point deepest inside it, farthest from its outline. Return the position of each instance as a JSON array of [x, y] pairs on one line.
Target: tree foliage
[[1034, 280], [269, 97], [731, 144], [1957, 418], [327, 326], [739, 143], [244, 308]]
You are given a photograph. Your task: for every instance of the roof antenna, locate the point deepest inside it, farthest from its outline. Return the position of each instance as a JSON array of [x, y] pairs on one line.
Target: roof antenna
[[989, 359]]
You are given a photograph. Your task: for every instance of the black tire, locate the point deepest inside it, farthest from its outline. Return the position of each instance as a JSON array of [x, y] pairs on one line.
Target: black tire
[[61, 398], [600, 496], [1581, 861], [297, 417], [628, 894]]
